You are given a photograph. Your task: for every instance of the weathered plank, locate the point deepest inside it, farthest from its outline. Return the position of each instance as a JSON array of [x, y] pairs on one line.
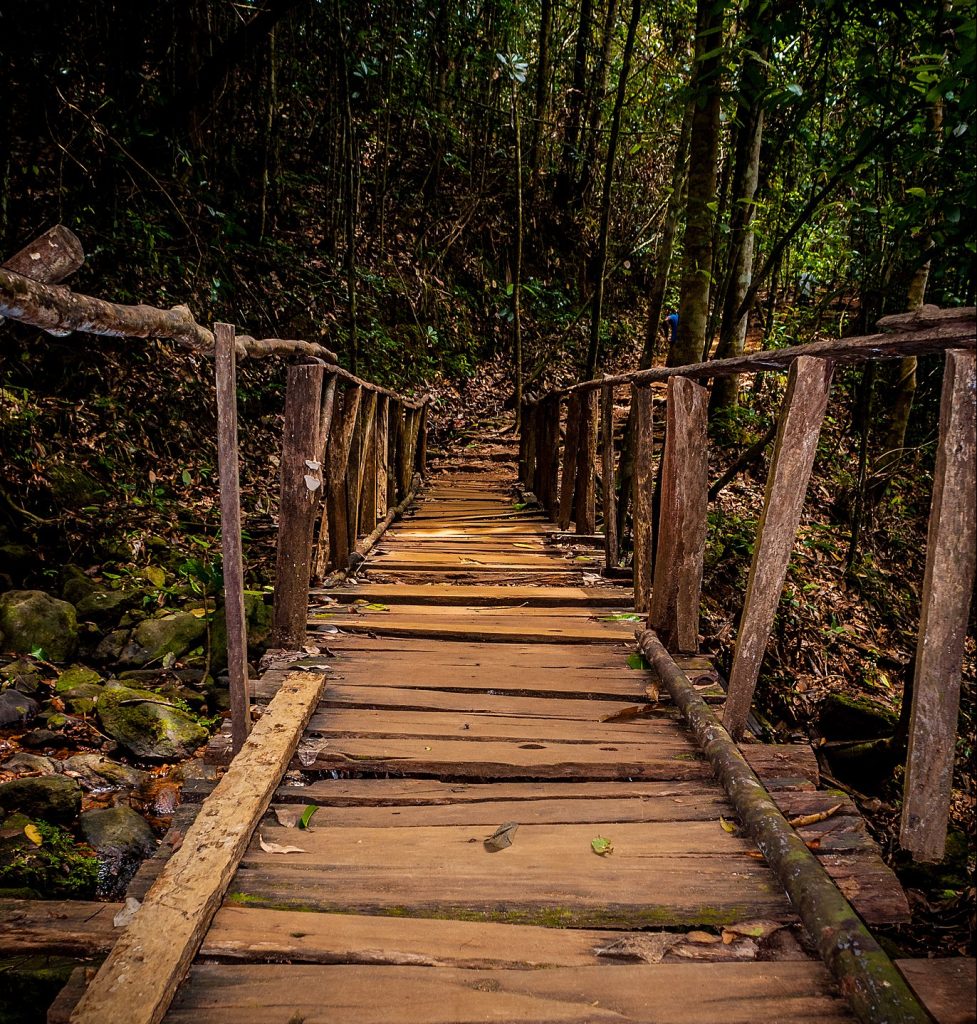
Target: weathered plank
[[945, 987], [57, 927], [231, 552], [674, 607], [488, 595], [808, 385], [301, 488], [951, 553], [141, 974], [643, 483], [608, 481]]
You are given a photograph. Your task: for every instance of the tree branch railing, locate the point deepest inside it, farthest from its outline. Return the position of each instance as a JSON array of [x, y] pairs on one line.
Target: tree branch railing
[[669, 520], [353, 452]]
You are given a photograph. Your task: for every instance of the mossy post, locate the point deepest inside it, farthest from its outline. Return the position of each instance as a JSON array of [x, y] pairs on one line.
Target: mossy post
[[230, 498], [868, 979], [608, 482]]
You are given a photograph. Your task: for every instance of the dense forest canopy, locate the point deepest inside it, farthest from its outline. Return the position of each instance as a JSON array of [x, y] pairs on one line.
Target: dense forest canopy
[[350, 170]]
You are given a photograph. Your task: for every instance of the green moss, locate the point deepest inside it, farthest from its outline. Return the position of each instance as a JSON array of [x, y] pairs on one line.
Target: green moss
[[58, 867]]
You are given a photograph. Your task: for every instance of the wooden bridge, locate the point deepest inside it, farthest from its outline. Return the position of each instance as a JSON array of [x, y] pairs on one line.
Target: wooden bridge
[[462, 795]]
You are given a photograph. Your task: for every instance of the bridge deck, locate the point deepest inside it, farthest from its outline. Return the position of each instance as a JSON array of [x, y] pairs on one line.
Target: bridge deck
[[478, 685]]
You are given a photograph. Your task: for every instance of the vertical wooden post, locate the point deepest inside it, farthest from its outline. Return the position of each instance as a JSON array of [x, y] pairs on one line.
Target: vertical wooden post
[[571, 449], [548, 452], [230, 495], [674, 612], [798, 429], [530, 421], [383, 456], [360, 469], [948, 582], [422, 420], [325, 419], [403, 464], [585, 503], [607, 475], [336, 465], [301, 490], [643, 483], [393, 440]]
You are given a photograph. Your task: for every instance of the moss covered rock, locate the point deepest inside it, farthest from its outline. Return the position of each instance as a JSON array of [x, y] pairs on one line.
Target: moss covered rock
[[121, 838], [105, 606], [77, 675], [97, 772], [175, 633], [147, 726], [33, 620], [51, 797]]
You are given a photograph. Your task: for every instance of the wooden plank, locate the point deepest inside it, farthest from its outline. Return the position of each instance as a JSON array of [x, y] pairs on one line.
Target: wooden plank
[[488, 595], [298, 503], [674, 608], [568, 473], [231, 551], [948, 583], [608, 481], [799, 427], [138, 980], [57, 927], [643, 493], [419, 942], [747, 993], [585, 508], [945, 987]]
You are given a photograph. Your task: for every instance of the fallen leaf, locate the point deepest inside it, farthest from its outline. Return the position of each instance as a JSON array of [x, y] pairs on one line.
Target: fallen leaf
[[637, 661], [651, 948], [601, 846], [727, 826], [288, 817], [630, 713], [813, 819], [651, 692], [307, 815], [124, 916], [758, 929], [706, 938], [33, 834], [275, 848], [501, 837]]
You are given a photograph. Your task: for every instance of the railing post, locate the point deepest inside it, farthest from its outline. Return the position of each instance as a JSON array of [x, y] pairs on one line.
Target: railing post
[[527, 445], [674, 611], [585, 504], [383, 456], [609, 491], [568, 475], [337, 460], [421, 460], [947, 586], [548, 452], [643, 483], [301, 490], [359, 467], [798, 429], [230, 497]]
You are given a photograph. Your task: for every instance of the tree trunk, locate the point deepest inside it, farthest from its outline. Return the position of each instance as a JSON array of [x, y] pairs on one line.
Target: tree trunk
[[575, 99], [703, 157], [542, 87], [517, 267]]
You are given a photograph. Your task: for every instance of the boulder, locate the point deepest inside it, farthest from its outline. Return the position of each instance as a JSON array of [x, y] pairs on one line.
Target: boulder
[[50, 798], [22, 675], [71, 485], [111, 647], [175, 633], [38, 738], [77, 675], [81, 699], [121, 838], [31, 763], [104, 606], [16, 708], [99, 773], [33, 620], [146, 726]]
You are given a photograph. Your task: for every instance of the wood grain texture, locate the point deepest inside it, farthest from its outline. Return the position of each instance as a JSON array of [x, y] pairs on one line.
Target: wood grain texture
[[608, 480], [799, 427], [585, 506], [674, 608], [643, 483], [948, 583], [137, 981], [568, 471]]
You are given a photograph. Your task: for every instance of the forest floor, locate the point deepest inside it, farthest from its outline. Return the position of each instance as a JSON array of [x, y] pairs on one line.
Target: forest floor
[[120, 503]]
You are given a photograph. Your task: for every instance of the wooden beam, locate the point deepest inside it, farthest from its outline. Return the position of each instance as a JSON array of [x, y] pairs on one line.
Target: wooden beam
[[585, 505], [363, 469], [50, 258], [336, 508], [383, 456], [420, 462], [608, 479], [231, 550], [548, 452], [798, 429], [568, 474], [948, 583], [325, 418], [643, 483], [301, 491], [674, 610], [137, 982]]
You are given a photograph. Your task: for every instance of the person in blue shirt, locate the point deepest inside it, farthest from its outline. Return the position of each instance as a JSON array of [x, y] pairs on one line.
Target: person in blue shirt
[[670, 327]]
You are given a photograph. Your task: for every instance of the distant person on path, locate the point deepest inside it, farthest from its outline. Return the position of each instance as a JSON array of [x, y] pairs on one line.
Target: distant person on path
[[806, 284], [670, 327]]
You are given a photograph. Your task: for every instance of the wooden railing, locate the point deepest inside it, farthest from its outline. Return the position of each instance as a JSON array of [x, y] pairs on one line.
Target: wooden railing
[[668, 574], [353, 452]]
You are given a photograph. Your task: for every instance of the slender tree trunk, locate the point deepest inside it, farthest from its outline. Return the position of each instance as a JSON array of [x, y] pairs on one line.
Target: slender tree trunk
[[269, 169], [595, 101], [517, 268], [575, 100], [596, 305], [703, 157], [349, 190], [542, 88]]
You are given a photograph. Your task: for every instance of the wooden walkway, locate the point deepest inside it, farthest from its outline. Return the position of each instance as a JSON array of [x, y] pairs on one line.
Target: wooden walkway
[[498, 792]]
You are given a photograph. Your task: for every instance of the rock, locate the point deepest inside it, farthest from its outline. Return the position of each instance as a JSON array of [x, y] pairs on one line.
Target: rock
[[77, 675], [843, 716], [152, 640], [34, 763], [104, 606], [77, 585], [50, 798], [34, 620], [121, 838], [37, 738], [71, 485], [22, 675], [16, 708], [81, 700], [258, 616], [18, 559], [111, 647], [95, 772], [147, 728]]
